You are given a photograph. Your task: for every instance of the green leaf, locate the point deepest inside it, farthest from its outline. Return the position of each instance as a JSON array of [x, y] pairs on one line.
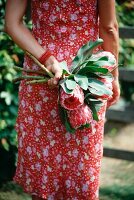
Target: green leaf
[[85, 126], [98, 105], [95, 68], [96, 92], [68, 127], [96, 101], [62, 83], [107, 76], [64, 72], [100, 92], [84, 53], [82, 81], [95, 81], [92, 69], [64, 118], [70, 84], [94, 58], [7, 96], [98, 88], [92, 100], [93, 108], [63, 65], [101, 63], [89, 97]]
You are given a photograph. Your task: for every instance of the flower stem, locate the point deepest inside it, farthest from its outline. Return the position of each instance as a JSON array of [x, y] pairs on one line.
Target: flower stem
[[20, 69], [38, 63], [37, 81], [19, 78]]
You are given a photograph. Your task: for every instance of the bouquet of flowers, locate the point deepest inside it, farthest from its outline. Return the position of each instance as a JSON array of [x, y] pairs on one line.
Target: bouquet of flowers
[[84, 88]]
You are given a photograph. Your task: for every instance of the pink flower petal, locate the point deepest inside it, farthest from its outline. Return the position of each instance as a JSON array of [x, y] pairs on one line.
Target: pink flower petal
[[72, 101], [80, 116]]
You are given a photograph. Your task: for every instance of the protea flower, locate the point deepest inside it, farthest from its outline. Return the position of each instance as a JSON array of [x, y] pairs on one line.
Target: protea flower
[[72, 101], [80, 116]]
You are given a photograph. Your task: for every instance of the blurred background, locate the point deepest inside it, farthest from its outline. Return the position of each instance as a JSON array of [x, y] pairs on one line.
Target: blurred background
[[117, 174]]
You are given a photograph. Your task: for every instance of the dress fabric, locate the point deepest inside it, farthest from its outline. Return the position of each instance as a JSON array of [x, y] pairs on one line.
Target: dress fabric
[[53, 163]]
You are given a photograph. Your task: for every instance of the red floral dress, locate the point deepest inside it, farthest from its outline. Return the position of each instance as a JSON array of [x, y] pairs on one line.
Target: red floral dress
[[53, 163]]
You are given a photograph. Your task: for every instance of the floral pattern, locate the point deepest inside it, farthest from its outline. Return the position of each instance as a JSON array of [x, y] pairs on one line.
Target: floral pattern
[[53, 163]]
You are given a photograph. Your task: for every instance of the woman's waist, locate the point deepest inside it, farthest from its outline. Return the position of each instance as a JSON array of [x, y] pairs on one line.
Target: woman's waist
[[65, 42], [63, 33]]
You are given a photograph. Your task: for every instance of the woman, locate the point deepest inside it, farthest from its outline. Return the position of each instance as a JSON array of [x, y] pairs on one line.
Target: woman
[[52, 163]]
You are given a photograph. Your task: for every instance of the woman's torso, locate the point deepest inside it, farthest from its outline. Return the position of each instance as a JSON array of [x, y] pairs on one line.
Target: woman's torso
[[63, 26]]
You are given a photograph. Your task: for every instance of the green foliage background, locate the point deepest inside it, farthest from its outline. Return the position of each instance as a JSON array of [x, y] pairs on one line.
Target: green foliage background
[[125, 16], [11, 54]]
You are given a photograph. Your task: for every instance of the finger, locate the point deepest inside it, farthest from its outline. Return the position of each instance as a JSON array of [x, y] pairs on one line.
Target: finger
[[58, 74], [57, 77], [51, 83], [55, 82]]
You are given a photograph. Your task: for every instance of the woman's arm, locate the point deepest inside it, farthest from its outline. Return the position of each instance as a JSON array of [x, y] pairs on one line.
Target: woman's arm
[[108, 31], [15, 10]]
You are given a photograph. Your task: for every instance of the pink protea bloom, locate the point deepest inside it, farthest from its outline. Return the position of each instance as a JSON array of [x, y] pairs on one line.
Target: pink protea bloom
[[80, 116], [72, 101], [110, 57]]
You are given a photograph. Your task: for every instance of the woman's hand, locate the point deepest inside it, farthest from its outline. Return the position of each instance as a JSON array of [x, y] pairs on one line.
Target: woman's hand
[[53, 65], [116, 93], [108, 31]]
